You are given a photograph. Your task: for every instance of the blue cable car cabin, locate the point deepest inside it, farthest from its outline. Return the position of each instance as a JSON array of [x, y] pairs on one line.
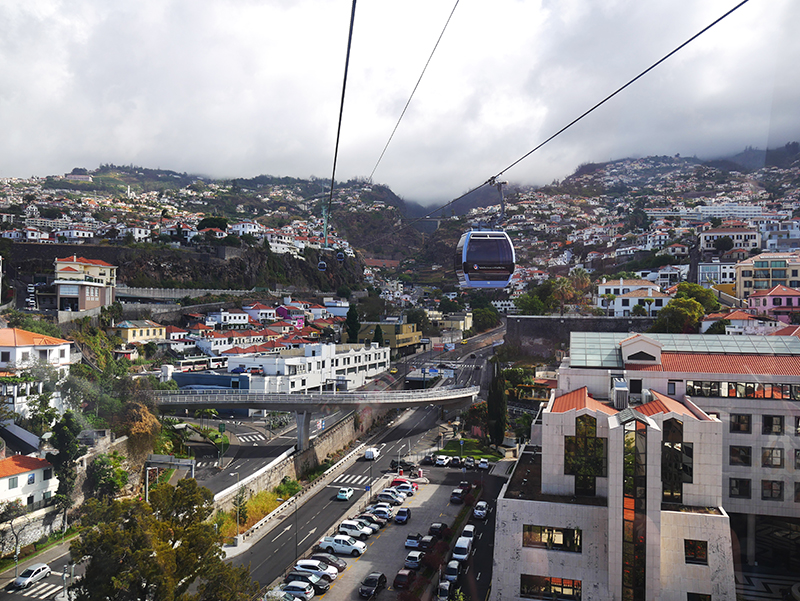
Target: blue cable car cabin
[[484, 259]]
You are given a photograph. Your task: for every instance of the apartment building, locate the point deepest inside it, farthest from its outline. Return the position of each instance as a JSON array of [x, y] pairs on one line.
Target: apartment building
[[767, 270], [751, 384], [741, 238], [619, 297], [83, 283]]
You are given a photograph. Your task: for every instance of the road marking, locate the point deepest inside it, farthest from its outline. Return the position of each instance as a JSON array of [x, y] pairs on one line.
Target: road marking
[[478, 577], [285, 530]]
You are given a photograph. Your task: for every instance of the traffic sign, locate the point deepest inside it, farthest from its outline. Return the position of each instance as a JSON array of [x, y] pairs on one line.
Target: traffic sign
[[222, 427]]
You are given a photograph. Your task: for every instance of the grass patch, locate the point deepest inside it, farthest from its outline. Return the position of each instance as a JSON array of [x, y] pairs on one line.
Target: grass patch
[[472, 448], [40, 546]]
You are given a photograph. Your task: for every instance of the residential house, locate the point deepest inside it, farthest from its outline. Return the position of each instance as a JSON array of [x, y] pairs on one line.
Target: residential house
[[138, 331], [29, 480], [261, 313], [765, 271], [741, 237], [618, 297], [780, 302], [83, 284]]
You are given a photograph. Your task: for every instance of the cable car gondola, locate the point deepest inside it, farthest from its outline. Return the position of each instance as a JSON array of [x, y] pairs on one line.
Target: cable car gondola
[[322, 266], [484, 259], [340, 257]]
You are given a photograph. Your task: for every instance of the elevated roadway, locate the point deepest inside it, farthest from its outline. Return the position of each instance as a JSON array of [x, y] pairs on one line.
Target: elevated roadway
[[304, 405]]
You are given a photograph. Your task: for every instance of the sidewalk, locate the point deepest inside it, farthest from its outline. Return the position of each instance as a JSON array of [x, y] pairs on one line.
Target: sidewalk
[[56, 557]]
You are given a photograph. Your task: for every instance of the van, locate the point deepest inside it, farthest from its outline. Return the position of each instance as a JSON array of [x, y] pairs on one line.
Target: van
[[462, 548], [372, 454]]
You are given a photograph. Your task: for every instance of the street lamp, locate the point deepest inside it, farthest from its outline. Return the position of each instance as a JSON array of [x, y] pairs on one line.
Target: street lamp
[[236, 502]]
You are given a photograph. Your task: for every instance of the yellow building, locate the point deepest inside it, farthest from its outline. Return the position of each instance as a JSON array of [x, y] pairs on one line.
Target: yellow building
[[138, 331], [398, 336]]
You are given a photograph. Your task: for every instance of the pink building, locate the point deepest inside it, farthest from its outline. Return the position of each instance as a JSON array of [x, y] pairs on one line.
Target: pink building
[[779, 302]]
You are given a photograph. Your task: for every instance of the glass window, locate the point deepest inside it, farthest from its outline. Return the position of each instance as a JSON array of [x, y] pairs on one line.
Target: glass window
[[741, 455], [671, 389], [797, 459], [697, 597], [772, 457], [772, 424], [48, 473], [31, 478], [13, 482], [740, 423], [696, 551], [544, 587], [797, 425], [772, 490], [546, 537], [739, 488], [797, 492]]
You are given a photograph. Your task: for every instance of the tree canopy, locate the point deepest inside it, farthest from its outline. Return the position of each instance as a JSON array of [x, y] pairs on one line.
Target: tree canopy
[[704, 296], [135, 551], [680, 316], [352, 324]]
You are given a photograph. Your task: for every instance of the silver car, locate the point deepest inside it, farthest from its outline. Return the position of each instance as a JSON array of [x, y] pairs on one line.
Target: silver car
[[33, 574]]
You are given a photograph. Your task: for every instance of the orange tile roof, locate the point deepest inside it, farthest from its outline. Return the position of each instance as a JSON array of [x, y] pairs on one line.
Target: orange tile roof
[[664, 404], [16, 337], [84, 260], [718, 363], [787, 331], [580, 399], [20, 464]]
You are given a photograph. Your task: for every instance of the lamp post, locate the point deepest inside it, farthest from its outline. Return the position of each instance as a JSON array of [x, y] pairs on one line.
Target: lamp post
[[236, 502]]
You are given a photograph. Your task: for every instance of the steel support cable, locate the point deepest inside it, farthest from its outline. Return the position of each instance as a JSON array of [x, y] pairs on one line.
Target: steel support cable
[[408, 102], [341, 112], [570, 124]]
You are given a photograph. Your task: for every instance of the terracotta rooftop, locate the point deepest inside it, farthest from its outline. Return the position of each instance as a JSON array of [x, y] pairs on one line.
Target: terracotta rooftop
[[664, 404], [16, 337], [580, 399], [20, 464], [713, 363]]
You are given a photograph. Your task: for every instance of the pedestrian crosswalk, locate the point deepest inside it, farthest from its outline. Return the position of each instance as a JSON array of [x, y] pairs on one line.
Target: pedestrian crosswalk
[[254, 437], [758, 587], [43, 590], [353, 479]]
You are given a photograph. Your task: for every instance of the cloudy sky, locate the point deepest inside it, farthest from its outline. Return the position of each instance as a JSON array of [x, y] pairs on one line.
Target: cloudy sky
[[237, 88]]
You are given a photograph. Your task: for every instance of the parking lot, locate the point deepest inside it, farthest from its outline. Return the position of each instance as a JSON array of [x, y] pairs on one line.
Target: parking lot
[[386, 551]]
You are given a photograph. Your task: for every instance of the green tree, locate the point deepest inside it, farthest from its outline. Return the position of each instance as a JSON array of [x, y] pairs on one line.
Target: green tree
[[240, 505], [448, 306], [352, 324], [64, 461], [529, 304], [217, 222], [476, 416], [718, 327], [496, 409], [157, 552], [343, 292], [41, 414], [680, 316], [424, 325], [704, 296], [106, 474], [723, 244], [485, 319], [10, 512], [562, 292], [638, 310], [378, 337]]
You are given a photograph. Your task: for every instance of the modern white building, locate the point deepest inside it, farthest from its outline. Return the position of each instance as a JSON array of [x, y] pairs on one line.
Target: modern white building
[[750, 383], [621, 503], [619, 297]]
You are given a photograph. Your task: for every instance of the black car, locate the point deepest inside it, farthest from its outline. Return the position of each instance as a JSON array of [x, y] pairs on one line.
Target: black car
[[379, 522], [427, 460], [426, 542], [455, 462], [319, 584], [331, 560], [372, 584], [403, 464], [437, 529]]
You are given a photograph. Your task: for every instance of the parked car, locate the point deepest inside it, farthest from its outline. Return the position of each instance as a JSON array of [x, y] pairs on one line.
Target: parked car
[[401, 495], [403, 464], [469, 531], [31, 575], [457, 496], [465, 486], [342, 544], [404, 579], [452, 571], [414, 560], [321, 586], [238, 370], [481, 510], [373, 584], [299, 590], [437, 529], [427, 460], [462, 548], [373, 528], [442, 460], [426, 542], [469, 463], [318, 568], [331, 560], [354, 529], [403, 515], [455, 462], [400, 480], [344, 493], [406, 489], [412, 540], [382, 512], [483, 464], [278, 595], [372, 518], [390, 498]]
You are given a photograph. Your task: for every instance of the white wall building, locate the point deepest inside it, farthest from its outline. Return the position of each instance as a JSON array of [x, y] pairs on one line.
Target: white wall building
[[629, 293], [29, 480]]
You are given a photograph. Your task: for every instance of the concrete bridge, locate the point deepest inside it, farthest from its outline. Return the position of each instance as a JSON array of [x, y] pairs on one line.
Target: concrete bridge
[[304, 405]]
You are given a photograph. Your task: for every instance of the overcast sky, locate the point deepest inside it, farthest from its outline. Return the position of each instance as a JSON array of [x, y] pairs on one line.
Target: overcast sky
[[240, 88]]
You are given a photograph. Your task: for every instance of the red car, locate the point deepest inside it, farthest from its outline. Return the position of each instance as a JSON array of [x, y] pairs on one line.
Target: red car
[[404, 579]]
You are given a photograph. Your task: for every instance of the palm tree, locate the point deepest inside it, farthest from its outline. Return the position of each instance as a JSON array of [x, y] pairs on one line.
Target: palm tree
[[609, 298], [581, 281], [563, 291]]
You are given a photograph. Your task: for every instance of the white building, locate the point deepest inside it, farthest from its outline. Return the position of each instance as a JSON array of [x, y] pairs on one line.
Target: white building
[[750, 383], [619, 297], [228, 318], [261, 312], [315, 366], [29, 480], [621, 503], [246, 227]]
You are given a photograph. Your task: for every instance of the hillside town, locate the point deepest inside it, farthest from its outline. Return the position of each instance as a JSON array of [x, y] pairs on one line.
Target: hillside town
[[620, 390]]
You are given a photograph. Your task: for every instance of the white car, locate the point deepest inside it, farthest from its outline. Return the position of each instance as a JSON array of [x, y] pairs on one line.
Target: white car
[[31, 575], [401, 495], [319, 568], [481, 510], [442, 460], [469, 531], [383, 512], [406, 489], [299, 590], [483, 464]]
